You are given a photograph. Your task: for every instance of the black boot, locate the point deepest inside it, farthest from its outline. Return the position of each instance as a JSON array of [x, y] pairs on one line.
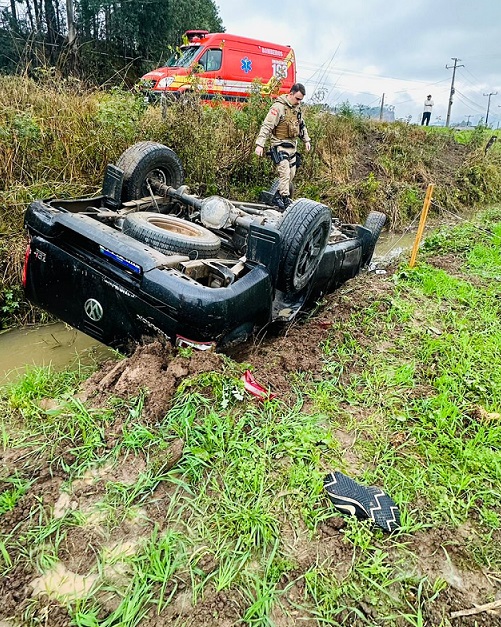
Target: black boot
[[287, 201], [278, 201]]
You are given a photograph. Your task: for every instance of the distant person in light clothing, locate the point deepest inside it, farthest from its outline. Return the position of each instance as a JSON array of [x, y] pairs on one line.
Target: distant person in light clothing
[[428, 104]]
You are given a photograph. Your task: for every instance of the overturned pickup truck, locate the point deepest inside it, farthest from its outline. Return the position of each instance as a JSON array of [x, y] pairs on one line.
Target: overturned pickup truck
[[147, 258]]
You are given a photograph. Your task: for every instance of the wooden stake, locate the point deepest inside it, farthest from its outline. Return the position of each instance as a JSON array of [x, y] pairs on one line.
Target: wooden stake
[[422, 222]]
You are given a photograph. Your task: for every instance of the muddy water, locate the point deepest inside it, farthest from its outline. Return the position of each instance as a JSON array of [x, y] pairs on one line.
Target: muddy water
[[61, 346], [57, 345], [392, 245]]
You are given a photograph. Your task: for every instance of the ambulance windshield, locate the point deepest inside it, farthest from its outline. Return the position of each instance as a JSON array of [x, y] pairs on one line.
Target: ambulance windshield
[[184, 57]]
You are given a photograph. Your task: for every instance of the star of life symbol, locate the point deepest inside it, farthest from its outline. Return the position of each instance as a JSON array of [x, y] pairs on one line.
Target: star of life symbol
[[246, 65], [93, 309]]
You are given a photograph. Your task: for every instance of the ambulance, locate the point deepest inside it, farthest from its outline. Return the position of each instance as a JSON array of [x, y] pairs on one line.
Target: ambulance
[[225, 66]]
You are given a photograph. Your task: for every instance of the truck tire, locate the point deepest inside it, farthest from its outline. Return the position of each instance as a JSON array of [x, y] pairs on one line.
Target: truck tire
[[146, 161], [172, 235], [305, 230], [374, 223]]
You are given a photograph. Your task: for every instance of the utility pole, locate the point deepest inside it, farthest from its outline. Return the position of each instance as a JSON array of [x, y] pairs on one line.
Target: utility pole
[[382, 107], [468, 119], [455, 59], [493, 93]]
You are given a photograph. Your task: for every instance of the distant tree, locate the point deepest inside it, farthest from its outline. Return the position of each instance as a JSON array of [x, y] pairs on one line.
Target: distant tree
[[363, 110], [106, 38], [345, 109]]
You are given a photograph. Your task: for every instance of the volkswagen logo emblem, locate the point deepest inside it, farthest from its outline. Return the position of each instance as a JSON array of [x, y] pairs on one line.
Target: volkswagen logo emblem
[[93, 309]]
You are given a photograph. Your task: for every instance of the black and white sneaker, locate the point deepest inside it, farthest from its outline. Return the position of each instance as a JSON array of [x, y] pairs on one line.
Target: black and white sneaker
[[362, 501]]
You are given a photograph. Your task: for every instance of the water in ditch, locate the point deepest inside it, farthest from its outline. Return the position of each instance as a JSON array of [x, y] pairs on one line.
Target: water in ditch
[[57, 345], [61, 346]]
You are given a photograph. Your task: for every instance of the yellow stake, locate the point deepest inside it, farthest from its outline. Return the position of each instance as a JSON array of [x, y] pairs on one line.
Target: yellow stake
[[422, 221]]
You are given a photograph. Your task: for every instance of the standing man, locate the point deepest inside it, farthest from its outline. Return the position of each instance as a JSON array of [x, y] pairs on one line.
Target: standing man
[[284, 123], [428, 104]]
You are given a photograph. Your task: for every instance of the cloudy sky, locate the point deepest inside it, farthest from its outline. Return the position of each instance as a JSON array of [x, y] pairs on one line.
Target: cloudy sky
[[358, 50]]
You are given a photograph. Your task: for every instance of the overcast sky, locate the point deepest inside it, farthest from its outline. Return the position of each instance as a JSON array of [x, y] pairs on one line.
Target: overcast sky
[[358, 50]]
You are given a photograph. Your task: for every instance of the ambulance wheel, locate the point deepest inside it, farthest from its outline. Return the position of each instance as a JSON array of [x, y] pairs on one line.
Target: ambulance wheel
[[146, 162], [172, 235], [305, 230]]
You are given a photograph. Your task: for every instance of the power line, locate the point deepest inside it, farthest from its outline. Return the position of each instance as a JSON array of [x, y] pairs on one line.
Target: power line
[[468, 80], [428, 85], [322, 77], [472, 75], [346, 72], [468, 101]]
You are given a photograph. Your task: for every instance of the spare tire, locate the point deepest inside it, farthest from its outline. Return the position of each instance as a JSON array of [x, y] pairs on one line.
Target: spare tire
[[172, 235], [305, 230], [147, 161]]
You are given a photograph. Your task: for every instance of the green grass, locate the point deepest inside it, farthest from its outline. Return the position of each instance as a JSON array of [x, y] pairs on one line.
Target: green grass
[[430, 388], [413, 378], [10, 496]]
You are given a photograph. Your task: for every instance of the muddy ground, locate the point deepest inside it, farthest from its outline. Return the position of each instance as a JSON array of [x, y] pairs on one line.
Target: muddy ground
[[274, 359]]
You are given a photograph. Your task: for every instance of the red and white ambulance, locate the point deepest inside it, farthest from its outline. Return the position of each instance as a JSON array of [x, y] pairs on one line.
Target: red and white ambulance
[[223, 65]]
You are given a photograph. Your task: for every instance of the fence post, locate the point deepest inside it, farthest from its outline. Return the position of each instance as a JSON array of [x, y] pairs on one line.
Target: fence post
[[422, 221]]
